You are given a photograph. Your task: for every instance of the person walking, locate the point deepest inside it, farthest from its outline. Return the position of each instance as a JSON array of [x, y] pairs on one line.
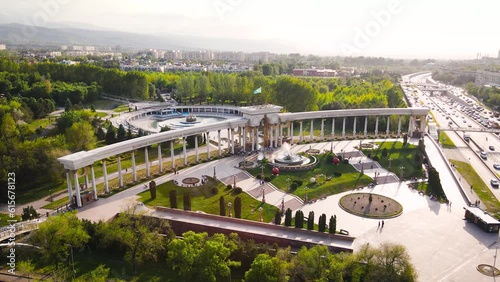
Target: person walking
[[382, 224]]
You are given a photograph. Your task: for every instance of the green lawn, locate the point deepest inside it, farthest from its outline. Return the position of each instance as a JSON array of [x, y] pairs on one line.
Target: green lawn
[[349, 179], [4, 217], [401, 157], [480, 188], [446, 141], [121, 108], [203, 199], [56, 204], [43, 190]]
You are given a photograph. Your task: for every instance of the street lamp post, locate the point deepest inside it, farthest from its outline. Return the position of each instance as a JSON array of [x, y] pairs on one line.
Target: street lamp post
[[288, 184], [260, 213], [51, 199], [234, 181], [307, 188], [263, 194], [72, 260], [390, 161], [401, 171], [229, 204]]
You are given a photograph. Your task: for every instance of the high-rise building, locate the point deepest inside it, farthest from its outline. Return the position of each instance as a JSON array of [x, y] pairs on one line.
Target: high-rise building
[[3, 47]]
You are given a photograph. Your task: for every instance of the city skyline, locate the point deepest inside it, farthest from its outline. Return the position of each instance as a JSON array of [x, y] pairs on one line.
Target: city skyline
[[392, 28]]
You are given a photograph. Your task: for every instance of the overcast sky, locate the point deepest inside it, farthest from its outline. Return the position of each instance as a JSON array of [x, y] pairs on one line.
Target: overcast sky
[[391, 28]]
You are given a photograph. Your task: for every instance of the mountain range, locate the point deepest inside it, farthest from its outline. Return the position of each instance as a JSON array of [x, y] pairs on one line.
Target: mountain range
[[19, 34]]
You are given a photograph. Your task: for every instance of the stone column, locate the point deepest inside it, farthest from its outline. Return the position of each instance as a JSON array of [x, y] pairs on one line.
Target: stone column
[[354, 127], [253, 138], [92, 175], [281, 134], [105, 173], [411, 126], [172, 153], [77, 186], [146, 159], [86, 180], [399, 126], [184, 150], [422, 124], [208, 146], [333, 127], [160, 159], [196, 149], [218, 140], [311, 134], [134, 168], [322, 134], [343, 128], [120, 176], [376, 127], [301, 134], [291, 133], [271, 139], [232, 140], [70, 189], [388, 126], [366, 126], [244, 132]]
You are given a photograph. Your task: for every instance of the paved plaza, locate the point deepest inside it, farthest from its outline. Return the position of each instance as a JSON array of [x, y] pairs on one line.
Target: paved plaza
[[442, 245]]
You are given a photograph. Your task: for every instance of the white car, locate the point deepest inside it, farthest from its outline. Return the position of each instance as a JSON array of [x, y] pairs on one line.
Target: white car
[[496, 166], [494, 183]]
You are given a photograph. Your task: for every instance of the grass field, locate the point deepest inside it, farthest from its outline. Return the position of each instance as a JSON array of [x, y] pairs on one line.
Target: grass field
[[205, 200], [480, 188], [349, 179], [401, 158], [446, 141]]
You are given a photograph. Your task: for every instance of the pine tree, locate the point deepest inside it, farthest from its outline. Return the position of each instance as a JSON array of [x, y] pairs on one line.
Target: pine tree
[[68, 106], [333, 224], [110, 135], [187, 201], [237, 207], [222, 206], [288, 217], [173, 198], [322, 223], [310, 221], [277, 218]]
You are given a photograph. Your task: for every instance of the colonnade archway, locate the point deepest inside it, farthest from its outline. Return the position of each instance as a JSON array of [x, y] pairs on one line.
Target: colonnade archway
[[255, 127]]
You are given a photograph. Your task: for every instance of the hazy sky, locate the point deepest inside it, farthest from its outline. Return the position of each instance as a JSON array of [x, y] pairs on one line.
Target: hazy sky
[[390, 28]]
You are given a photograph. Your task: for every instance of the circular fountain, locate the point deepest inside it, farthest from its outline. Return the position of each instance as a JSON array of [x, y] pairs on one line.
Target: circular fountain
[[284, 160]]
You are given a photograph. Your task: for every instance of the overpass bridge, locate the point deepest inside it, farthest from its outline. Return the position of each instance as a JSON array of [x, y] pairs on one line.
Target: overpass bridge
[[469, 129]]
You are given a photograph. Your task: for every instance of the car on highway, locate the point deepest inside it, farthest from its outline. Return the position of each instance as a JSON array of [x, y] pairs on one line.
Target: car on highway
[[492, 148], [483, 155], [494, 183], [496, 166]]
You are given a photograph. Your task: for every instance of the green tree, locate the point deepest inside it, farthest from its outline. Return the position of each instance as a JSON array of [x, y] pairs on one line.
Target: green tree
[[26, 268], [68, 106], [173, 198], [57, 235], [384, 152], [110, 137], [80, 136], [264, 269], [198, 257], [100, 274], [222, 206], [322, 223], [299, 219], [187, 201], [310, 221], [138, 235], [332, 226], [277, 218], [237, 207], [294, 94], [121, 134], [288, 217]]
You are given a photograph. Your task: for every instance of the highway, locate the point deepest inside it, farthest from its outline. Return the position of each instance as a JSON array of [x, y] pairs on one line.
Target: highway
[[455, 112]]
